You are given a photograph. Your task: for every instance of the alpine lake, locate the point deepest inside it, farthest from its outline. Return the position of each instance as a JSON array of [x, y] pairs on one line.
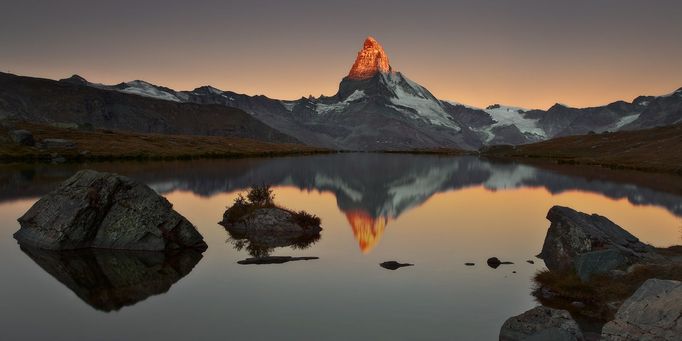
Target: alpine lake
[[436, 212]]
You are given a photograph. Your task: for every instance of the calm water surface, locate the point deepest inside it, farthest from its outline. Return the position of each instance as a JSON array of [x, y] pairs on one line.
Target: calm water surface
[[436, 212]]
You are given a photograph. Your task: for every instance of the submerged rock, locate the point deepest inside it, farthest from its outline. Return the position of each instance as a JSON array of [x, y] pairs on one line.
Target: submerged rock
[[109, 280], [104, 210], [495, 262], [393, 265], [273, 260], [541, 323], [653, 312], [22, 137], [572, 234]]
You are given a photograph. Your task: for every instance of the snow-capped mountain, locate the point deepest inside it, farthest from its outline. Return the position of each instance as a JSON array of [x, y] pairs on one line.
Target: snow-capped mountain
[[378, 108]]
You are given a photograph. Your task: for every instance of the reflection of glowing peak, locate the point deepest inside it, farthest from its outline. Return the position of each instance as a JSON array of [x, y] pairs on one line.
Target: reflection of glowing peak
[[367, 230]]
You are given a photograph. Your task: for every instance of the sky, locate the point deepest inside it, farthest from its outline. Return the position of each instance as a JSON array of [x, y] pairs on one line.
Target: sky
[[526, 53]]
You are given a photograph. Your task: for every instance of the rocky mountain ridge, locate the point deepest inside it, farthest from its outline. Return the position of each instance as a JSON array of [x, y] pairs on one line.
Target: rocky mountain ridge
[[379, 108]]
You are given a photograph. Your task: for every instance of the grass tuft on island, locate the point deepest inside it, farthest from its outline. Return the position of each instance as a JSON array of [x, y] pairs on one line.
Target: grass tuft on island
[[602, 293], [261, 196], [105, 145]]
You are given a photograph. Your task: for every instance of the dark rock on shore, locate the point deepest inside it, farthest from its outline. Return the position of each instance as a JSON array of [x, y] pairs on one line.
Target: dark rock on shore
[[108, 280], [597, 262], [22, 137], [273, 260], [653, 312], [109, 211], [57, 143], [541, 323], [495, 262], [393, 265], [595, 242]]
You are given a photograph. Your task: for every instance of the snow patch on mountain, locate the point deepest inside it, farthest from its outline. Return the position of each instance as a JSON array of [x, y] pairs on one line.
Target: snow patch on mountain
[[507, 115], [323, 108], [289, 105], [625, 120], [417, 102], [142, 88]]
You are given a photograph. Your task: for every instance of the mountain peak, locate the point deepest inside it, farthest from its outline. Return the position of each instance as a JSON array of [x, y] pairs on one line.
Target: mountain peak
[[75, 79], [371, 60]]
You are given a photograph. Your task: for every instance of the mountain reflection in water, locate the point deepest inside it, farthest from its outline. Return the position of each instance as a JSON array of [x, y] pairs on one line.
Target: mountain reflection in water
[[370, 189], [438, 212]]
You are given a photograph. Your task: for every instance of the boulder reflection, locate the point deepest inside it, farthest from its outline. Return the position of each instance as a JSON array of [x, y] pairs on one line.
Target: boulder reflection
[[260, 245], [109, 280]]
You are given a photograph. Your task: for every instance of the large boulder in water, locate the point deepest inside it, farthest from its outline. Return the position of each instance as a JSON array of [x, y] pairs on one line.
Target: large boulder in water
[[574, 235], [541, 323], [104, 210], [653, 312]]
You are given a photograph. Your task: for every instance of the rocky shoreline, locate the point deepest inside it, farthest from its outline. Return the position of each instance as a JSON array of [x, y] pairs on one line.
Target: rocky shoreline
[[597, 266]]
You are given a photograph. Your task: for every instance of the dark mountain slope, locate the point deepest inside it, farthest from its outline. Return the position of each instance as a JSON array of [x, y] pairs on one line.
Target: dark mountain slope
[[46, 101]]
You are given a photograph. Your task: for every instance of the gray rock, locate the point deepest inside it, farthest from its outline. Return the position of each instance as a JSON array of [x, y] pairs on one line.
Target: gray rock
[[104, 210], [22, 137], [547, 293], [269, 220], [541, 323], [598, 262], [58, 143], [653, 312], [572, 233]]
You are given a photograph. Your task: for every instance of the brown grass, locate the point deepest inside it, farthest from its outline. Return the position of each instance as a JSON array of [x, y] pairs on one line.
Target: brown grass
[[111, 145], [261, 196], [602, 289], [655, 149]]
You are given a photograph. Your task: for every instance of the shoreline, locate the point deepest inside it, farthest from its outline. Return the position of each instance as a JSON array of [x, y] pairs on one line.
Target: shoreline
[[76, 145], [648, 151]]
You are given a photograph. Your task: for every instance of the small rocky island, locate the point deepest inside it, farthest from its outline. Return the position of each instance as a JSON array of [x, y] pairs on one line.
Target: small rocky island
[[599, 271], [107, 211], [257, 224]]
